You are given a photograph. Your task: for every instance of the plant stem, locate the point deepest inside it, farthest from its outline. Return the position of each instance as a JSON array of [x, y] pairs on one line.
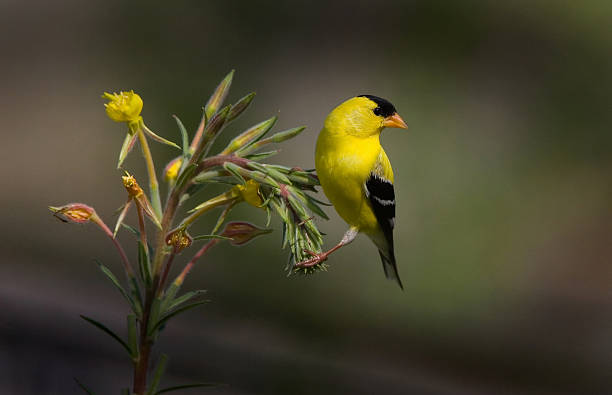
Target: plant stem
[[142, 365], [164, 275], [143, 230], [153, 184], [181, 277], [126, 263]]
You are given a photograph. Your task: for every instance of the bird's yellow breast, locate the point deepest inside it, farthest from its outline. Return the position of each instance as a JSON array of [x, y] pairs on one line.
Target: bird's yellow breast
[[344, 163]]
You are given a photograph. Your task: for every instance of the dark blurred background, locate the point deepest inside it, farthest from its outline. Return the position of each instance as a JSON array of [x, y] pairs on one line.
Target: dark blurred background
[[504, 180]]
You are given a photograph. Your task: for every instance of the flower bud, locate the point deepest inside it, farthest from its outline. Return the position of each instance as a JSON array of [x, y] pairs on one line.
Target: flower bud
[[131, 185], [172, 169], [242, 232], [136, 194], [179, 239], [78, 213], [123, 106]]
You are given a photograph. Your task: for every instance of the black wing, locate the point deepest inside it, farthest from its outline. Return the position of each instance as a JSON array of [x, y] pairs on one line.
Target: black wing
[[381, 195]]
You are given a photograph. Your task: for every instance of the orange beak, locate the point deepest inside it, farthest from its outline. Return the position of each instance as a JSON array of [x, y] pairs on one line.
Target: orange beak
[[395, 121]]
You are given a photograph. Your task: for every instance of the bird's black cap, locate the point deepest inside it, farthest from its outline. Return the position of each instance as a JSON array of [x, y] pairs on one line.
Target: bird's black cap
[[385, 108]]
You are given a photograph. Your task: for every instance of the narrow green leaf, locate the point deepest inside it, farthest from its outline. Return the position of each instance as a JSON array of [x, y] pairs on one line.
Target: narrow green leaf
[[135, 291], [187, 296], [268, 216], [135, 308], [132, 335], [157, 375], [126, 147], [218, 97], [83, 387], [240, 106], [154, 316], [207, 175], [158, 138], [184, 138], [234, 170], [144, 264], [176, 312], [275, 138], [286, 134], [249, 136], [131, 229], [168, 297], [121, 217], [213, 128], [185, 175], [186, 386], [262, 155], [206, 237], [108, 332]]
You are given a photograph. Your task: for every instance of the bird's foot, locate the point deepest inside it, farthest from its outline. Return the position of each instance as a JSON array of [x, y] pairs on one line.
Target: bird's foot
[[315, 259]]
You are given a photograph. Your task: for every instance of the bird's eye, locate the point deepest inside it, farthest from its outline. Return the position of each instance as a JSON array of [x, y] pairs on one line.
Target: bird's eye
[[377, 111]]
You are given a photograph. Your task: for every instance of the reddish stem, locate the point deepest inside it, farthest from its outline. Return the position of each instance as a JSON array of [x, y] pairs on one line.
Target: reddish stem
[[192, 262], [164, 276], [126, 263]]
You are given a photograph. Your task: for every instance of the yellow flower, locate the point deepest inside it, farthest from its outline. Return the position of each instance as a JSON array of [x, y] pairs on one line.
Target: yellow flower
[[172, 169], [250, 193], [123, 106]]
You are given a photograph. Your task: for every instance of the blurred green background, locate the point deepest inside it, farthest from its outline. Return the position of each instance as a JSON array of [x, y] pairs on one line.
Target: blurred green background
[[504, 184]]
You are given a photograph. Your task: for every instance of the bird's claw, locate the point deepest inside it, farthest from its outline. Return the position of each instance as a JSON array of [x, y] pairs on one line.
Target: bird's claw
[[315, 259]]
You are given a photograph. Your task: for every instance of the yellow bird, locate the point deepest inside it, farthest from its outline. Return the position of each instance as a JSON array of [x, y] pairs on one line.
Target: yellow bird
[[356, 175]]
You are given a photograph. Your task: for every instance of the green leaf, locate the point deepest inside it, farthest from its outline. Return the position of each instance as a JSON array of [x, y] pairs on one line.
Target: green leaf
[[240, 106], [176, 312], [121, 217], [144, 264], [158, 138], [185, 175], [157, 375], [249, 136], [126, 147], [186, 386], [168, 297], [206, 237], [135, 291], [132, 335], [286, 134], [185, 298], [234, 170], [125, 391], [156, 307], [131, 229], [275, 138], [213, 128], [262, 155], [135, 308], [218, 97], [184, 138], [83, 387], [108, 332]]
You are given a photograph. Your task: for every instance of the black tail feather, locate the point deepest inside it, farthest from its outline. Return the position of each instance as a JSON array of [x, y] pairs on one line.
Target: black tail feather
[[390, 268]]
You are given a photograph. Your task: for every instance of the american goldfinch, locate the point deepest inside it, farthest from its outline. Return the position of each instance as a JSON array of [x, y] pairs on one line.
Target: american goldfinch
[[356, 175]]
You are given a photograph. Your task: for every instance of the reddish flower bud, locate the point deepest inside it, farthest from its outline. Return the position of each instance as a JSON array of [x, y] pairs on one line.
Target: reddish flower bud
[[242, 232], [74, 212]]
